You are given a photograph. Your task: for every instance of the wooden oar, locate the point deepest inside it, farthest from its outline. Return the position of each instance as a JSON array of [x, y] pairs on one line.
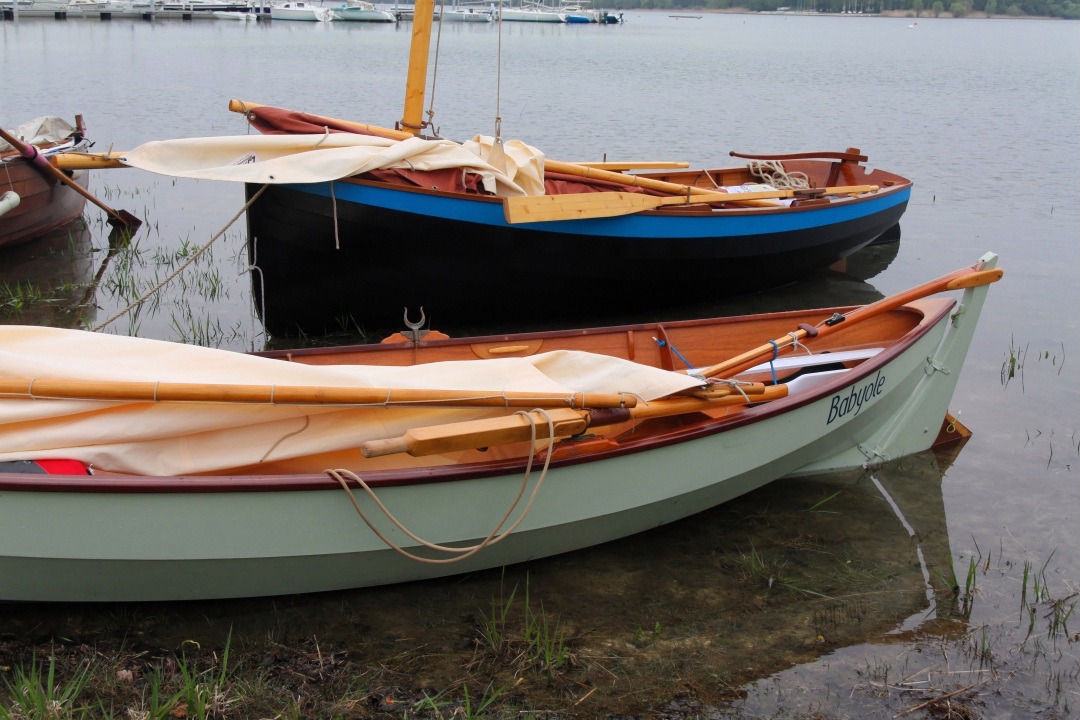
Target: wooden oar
[[956, 280], [120, 219], [483, 433], [141, 391], [579, 206], [452, 437]]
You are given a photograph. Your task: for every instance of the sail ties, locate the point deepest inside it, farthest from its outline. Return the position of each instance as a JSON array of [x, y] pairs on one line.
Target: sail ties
[[452, 554]]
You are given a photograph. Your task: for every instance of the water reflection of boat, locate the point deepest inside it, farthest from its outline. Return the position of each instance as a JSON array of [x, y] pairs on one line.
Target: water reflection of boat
[[901, 527], [57, 269], [681, 600], [826, 288]]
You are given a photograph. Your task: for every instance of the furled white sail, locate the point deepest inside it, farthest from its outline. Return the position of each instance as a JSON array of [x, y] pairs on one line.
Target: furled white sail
[[169, 438], [280, 159]]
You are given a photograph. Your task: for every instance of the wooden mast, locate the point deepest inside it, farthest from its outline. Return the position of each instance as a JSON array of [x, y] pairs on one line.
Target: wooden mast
[[413, 119]]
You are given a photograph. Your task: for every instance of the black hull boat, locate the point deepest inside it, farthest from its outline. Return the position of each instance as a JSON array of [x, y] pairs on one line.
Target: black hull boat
[[329, 264]]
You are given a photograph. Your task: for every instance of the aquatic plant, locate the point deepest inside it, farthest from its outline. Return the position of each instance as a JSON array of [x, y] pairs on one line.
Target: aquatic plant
[[36, 693], [534, 641]]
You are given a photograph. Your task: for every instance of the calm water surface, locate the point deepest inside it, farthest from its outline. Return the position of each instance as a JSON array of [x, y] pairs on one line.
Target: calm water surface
[[983, 115]]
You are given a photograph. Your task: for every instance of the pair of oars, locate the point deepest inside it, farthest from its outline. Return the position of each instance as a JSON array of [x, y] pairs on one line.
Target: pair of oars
[[580, 206], [121, 220], [484, 433]]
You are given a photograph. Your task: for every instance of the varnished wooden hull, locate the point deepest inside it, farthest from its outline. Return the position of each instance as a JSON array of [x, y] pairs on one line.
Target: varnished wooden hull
[[45, 203]]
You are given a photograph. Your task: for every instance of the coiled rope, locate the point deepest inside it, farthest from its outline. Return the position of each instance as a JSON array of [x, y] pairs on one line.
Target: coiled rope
[[773, 172]]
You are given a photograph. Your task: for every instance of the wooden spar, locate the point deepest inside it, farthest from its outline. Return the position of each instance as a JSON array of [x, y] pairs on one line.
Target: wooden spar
[[412, 121], [579, 206], [586, 171], [636, 165], [452, 437], [243, 107], [87, 161], [145, 391]]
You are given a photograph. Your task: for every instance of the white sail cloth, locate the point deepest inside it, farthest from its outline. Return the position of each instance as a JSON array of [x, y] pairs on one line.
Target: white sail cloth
[[40, 130], [280, 159], [166, 438]]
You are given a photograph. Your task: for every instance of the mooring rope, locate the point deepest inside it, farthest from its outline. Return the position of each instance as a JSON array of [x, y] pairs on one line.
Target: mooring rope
[[146, 296], [773, 172], [460, 553]]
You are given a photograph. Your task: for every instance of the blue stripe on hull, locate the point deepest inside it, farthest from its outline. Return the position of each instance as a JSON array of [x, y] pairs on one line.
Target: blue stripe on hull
[[638, 225]]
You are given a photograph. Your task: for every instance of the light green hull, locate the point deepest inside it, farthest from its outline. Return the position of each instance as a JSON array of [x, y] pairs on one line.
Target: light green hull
[[113, 546]]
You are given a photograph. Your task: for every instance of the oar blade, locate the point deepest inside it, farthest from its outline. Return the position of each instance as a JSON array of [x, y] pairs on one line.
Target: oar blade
[[576, 206]]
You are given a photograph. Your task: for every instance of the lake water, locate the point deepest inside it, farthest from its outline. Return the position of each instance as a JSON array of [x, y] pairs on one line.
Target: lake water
[[983, 115]]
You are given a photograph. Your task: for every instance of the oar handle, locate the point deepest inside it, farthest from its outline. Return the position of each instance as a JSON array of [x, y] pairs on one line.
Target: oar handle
[[472, 434]]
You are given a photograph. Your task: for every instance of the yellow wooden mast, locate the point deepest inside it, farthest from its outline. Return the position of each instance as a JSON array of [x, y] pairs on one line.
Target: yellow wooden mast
[[416, 82]]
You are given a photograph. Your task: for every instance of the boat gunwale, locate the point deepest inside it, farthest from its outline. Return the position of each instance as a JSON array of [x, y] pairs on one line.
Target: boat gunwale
[[931, 314], [666, 211]]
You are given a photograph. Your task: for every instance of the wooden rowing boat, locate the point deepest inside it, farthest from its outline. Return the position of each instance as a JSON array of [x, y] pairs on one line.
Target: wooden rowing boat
[[37, 202], [154, 471], [364, 246], [367, 245], [487, 234]]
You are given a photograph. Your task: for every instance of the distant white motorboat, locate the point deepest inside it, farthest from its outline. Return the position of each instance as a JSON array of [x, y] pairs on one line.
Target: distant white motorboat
[[360, 11], [466, 14], [531, 13], [300, 10]]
